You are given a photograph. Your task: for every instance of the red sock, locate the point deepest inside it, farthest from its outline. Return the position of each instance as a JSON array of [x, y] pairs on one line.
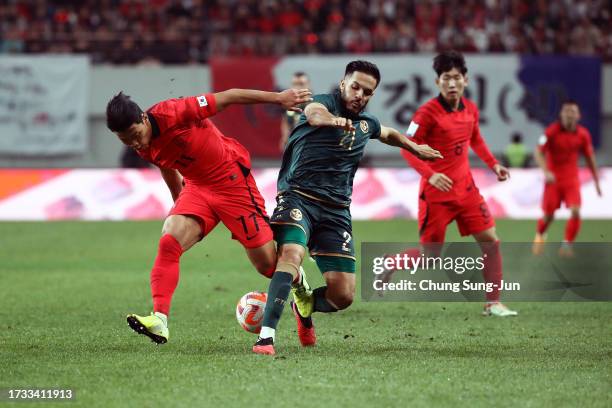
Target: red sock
[[492, 268], [270, 272], [542, 225], [412, 252], [571, 229], [165, 273]]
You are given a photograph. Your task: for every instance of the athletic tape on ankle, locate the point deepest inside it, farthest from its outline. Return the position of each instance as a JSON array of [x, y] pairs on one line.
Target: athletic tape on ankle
[[288, 267]]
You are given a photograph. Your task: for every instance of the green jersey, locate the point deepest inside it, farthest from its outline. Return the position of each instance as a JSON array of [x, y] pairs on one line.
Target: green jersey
[[321, 162]]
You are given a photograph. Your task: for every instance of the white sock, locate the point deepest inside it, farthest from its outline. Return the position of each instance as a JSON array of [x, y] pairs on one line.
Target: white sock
[[163, 318], [267, 332]]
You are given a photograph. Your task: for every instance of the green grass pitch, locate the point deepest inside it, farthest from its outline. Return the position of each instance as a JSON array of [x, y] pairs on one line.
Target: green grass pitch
[[65, 289]]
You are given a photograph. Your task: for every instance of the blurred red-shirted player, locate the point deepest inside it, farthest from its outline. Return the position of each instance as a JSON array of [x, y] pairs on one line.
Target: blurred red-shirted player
[[209, 178], [557, 155], [449, 124]]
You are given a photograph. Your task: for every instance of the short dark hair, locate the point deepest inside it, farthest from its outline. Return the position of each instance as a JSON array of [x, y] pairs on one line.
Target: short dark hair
[[517, 137], [300, 73], [363, 66], [122, 112], [570, 102], [447, 60]]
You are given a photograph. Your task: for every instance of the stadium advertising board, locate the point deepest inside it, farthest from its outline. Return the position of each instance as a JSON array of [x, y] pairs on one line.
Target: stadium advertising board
[[379, 194], [43, 105]]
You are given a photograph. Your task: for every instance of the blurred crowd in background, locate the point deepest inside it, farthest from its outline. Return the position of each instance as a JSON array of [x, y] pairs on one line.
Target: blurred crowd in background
[[192, 31]]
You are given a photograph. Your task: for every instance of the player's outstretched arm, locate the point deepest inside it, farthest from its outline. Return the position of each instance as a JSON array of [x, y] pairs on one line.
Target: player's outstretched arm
[[318, 115], [392, 137], [173, 180], [289, 99]]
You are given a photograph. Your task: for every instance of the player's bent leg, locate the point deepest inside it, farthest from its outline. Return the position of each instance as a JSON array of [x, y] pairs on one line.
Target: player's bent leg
[[339, 274], [186, 229], [340, 290], [179, 233], [489, 244], [571, 231], [263, 258], [540, 238]]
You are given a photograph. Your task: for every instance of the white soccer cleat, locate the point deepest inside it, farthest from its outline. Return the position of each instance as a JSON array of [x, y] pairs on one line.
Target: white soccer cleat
[[566, 250], [498, 309]]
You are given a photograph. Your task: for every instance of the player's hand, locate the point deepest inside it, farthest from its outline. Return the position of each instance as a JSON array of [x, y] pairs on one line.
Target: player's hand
[[290, 99], [549, 177], [598, 188], [502, 172], [345, 124], [425, 152], [441, 182]]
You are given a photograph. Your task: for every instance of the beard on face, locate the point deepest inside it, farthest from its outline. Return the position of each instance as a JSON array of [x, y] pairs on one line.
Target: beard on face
[[349, 102]]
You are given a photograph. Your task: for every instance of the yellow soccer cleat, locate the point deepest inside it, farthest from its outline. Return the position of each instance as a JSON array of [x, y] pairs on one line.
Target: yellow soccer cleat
[[151, 326], [302, 295]]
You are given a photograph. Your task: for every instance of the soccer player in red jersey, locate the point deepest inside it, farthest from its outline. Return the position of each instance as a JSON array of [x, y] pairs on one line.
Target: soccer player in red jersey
[[557, 156], [209, 177], [449, 124]]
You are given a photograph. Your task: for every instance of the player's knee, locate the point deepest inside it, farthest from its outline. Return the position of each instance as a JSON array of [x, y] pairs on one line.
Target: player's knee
[[549, 217], [291, 254], [266, 267], [489, 235], [575, 212], [341, 299], [186, 230], [170, 246]]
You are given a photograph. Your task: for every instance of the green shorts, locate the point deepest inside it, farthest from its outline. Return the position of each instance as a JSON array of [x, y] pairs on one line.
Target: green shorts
[[325, 230]]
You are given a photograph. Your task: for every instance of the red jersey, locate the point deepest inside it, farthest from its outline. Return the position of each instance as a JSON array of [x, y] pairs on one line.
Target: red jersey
[[184, 139], [452, 133], [561, 149]]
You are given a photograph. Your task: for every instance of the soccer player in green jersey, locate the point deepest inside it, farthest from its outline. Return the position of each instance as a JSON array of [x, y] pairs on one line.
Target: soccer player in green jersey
[[315, 184]]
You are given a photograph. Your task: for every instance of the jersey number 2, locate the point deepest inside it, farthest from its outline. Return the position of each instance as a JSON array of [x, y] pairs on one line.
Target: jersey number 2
[[345, 244]]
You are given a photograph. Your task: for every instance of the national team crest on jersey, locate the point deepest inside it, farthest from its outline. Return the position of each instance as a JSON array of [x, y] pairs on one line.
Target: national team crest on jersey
[[295, 214], [364, 126], [412, 129], [542, 140], [202, 101]]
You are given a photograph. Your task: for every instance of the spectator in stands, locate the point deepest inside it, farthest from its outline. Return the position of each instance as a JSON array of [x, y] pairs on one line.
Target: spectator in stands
[[299, 80], [182, 31], [516, 153]]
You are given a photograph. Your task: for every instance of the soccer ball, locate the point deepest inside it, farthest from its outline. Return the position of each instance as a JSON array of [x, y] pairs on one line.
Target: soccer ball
[[250, 311]]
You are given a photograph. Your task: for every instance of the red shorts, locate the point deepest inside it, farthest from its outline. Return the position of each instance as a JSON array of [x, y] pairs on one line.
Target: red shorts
[[236, 202], [555, 193], [471, 213]]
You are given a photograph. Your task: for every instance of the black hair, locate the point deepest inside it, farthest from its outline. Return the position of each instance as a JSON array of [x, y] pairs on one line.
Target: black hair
[[300, 73], [364, 67], [570, 102], [122, 112], [447, 60], [517, 137]]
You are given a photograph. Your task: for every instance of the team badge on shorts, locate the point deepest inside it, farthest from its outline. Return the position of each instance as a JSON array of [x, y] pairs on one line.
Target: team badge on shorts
[[364, 126], [295, 214]]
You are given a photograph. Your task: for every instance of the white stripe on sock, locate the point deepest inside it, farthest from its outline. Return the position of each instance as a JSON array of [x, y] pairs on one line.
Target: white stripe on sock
[[267, 332]]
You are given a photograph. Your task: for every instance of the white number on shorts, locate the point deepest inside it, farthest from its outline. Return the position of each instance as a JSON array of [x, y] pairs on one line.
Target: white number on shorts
[[348, 238]]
